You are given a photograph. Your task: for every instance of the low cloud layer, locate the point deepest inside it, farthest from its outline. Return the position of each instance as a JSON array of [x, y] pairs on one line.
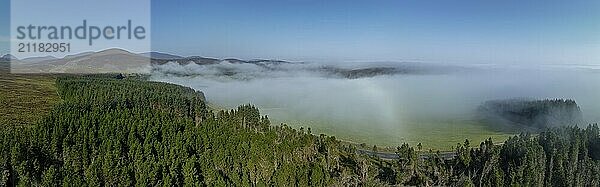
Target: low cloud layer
[[298, 93]]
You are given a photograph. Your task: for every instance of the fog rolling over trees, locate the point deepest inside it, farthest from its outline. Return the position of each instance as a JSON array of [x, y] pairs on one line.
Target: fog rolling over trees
[[534, 115], [387, 104]]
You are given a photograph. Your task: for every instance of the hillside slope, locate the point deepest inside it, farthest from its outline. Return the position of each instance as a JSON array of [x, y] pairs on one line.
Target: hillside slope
[[25, 98], [106, 61]]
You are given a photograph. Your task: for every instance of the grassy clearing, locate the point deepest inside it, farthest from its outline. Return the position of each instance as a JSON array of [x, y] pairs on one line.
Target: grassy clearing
[[447, 134], [25, 98], [442, 135], [438, 135]]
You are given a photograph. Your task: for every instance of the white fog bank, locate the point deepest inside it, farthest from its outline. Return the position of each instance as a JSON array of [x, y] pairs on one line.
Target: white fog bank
[[387, 105]]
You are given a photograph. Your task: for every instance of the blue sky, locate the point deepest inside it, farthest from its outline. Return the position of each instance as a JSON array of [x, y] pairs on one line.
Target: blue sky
[[4, 26], [446, 31]]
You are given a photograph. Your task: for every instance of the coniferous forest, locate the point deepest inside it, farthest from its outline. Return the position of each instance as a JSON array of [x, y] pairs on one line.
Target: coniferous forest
[[108, 131]]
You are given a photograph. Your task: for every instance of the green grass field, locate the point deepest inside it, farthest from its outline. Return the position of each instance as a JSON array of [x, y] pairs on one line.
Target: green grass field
[[439, 135], [442, 135], [25, 98]]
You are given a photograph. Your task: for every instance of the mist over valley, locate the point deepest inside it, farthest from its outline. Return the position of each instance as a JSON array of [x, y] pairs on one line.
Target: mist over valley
[[383, 103]]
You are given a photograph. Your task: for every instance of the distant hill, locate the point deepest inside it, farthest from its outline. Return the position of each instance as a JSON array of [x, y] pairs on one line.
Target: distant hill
[[357, 73], [531, 114], [8, 57], [107, 61], [78, 55], [38, 59], [161, 56], [121, 61], [211, 61], [242, 69]]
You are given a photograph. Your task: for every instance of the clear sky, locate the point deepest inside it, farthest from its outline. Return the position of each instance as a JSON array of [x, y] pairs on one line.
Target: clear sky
[[4, 26], [446, 31]]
